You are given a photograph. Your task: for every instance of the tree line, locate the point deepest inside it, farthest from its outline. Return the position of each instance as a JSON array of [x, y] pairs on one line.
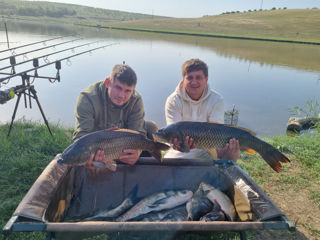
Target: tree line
[[38, 11]]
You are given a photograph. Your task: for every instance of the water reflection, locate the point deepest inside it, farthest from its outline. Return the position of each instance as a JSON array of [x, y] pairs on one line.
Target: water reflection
[[263, 79]]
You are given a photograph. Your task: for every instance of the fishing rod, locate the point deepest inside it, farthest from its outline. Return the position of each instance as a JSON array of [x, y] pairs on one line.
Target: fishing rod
[[57, 62], [28, 90], [26, 45], [5, 26], [35, 50], [43, 56]]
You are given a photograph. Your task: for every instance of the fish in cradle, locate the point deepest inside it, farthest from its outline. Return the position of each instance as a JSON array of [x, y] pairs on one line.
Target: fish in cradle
[[156, 202], [216, 214], [198, 205], [176, 214], [209, 136], [219, 198], [112, 142], [110, 214]]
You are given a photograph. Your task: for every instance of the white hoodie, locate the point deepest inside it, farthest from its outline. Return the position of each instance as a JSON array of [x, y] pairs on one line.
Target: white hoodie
[[180, 107]]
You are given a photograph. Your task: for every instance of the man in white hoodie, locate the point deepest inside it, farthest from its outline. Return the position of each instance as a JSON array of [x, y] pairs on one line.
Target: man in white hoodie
[[193, 100]]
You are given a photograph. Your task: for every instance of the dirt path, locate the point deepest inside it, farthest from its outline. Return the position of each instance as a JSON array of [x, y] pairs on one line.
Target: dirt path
[[293, 200]]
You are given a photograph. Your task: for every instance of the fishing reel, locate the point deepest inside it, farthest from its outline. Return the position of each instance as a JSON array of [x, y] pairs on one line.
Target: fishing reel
[[9, 94], [6, 95]]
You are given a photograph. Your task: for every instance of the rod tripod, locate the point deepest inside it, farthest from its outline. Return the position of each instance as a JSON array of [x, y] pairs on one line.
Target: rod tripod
[[32, 93]]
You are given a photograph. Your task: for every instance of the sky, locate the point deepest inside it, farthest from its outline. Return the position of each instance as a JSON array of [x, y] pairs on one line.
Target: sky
[[191, 8]]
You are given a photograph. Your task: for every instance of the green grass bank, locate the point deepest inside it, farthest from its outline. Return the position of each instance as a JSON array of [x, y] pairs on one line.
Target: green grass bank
[[296, 190], [284, 25], [297, 26]]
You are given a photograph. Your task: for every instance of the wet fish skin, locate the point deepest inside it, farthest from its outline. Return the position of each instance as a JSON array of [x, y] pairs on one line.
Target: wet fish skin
[[216, 214], [112, 142], [208, 136], [213, 216], [176, 214], [217, 197], [198, 205], [157, 202], [110, 214]]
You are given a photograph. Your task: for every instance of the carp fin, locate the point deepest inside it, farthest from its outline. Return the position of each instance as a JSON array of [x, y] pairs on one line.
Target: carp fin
[[157, 155], [273, 158], [111, 165], [234, 126], [213, 153], [129, 131], [242, 128], [158, 202], [98, 164], [157, 152], [248, 150]]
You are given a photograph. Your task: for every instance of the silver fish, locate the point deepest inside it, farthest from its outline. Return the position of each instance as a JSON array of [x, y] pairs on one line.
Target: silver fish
[[176, 214], [218, 197], [157, 202], [126, 204]]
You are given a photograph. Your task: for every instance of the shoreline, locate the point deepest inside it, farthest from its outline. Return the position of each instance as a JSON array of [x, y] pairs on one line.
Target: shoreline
[[202, 34]]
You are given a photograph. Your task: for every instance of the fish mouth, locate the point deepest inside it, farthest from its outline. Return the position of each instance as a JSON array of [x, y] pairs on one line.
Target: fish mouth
[[60, 161], [159, 137]]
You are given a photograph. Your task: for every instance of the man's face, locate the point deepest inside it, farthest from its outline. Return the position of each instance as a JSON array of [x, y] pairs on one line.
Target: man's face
[[119, 93], [195, 82]]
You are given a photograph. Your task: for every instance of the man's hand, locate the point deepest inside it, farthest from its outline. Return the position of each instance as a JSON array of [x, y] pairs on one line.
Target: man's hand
[[98, 157], [231, 151], [130, 156], [176, 145]]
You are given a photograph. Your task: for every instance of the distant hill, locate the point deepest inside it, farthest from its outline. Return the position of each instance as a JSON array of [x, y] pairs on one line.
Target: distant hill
[[66, 12], [280, 24], [293, 24]]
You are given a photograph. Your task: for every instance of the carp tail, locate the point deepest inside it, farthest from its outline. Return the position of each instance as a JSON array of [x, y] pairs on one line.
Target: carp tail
[[273, 157], [158, 147]]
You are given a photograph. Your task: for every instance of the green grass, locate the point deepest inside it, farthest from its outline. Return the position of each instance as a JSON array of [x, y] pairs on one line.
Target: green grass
[[304, 150], [65, 12], [23, 156], [28, 150], [296, 25]]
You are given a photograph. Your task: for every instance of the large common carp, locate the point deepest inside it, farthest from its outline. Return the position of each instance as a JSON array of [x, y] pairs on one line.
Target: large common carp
[[112, 142], [208, 136]]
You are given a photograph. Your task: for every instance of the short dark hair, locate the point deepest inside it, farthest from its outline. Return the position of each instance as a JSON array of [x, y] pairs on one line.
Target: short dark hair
[[194, 64], [124, 74]]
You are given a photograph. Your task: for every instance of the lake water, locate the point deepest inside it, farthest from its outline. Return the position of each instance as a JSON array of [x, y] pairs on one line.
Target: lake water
[[262, 79]]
